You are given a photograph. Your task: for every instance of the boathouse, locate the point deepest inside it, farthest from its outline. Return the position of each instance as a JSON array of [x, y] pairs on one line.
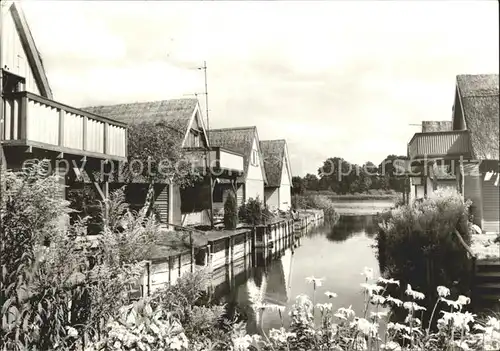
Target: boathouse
[[464, 153], [191, 206], [250, 185], [279, 175]]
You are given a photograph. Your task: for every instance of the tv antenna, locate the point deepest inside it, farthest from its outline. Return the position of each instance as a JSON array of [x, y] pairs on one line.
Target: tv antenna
[[204, 68]]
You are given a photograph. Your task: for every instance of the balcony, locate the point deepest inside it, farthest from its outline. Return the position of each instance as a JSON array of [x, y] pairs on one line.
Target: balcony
[[440, 145], [225, 160], [224, 163], [34, 121]]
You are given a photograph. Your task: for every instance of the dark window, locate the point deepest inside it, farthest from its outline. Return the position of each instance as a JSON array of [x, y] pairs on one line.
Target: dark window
[[218, 194]]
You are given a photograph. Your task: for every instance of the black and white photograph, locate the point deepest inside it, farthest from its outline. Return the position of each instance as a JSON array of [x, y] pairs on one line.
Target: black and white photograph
[[249, 175]]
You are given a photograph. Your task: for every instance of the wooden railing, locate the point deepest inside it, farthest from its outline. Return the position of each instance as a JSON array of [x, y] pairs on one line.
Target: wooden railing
[[36, 121], [440, 144]]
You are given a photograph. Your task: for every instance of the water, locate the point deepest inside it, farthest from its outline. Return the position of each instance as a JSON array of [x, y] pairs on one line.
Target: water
[[338, 255]]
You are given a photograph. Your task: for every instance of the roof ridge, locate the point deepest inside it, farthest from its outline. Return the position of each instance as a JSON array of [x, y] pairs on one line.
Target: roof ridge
[[144, 102], [231, 128], [284, 140]]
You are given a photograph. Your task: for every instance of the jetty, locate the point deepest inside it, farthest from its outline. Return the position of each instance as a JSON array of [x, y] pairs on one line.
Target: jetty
[[228, 254]]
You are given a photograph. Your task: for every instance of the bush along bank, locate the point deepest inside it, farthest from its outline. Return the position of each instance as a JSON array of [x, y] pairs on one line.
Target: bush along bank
[[321, 202], [416, 243]]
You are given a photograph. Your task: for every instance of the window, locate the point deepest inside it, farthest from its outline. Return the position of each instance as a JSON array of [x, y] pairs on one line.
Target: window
[[255, 158]]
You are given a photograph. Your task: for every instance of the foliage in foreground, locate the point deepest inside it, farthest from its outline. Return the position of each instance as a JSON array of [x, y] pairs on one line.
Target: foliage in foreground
[[57, 283], [180, 324]]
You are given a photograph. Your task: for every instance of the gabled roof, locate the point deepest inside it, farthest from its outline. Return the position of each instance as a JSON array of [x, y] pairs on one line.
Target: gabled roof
[[479, 98], [239, 140], [273, 153], [175, 112], [32, 53]]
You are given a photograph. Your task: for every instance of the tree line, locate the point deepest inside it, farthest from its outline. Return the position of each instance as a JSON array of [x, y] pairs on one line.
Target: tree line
[[342, 177]]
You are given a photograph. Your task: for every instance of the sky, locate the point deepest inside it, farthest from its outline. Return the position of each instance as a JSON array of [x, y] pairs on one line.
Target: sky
[[334, 78]]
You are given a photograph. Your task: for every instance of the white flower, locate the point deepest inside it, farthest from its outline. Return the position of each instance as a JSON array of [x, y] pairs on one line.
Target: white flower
[[316, 281], [344, 313], [413, 293], [409, 305], [377, 299], [324, 306], [368, 273], [395, 301], [388, 281], [370, 288], [365, 326], [463, 300], [242, 343], [443, 291], [330, 294]]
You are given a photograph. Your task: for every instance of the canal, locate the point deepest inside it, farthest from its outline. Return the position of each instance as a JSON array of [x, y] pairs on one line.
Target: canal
[[337, 255]]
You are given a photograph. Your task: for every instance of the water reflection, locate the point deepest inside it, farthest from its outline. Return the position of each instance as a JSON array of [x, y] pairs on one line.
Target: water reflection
[[274, 276], [347, 226]]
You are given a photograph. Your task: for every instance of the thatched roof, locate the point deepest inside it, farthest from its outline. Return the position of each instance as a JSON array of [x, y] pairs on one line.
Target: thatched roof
[[479, 95], [273, 152], [436, 126], [176, 111], [239, 140]]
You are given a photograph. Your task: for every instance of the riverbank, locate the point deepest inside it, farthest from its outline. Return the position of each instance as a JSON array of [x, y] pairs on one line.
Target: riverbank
[[350, 207]]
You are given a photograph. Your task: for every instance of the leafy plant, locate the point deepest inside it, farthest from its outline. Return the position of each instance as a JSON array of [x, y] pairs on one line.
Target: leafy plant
[[417, 241], [57, 284], [251, 212], [230, 212], [158, 147]]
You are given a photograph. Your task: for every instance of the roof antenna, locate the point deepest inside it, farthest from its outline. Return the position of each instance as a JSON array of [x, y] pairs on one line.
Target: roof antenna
[[204, 68]]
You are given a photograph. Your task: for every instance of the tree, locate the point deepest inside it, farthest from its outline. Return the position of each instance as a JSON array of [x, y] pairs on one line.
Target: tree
[[230, 212], [311, 182], [298, 185], [156, 154]]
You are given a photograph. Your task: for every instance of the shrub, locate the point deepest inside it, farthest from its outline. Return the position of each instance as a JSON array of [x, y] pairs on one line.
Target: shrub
[[230, 212], [50, 268], [416, 242], [321, 202], [251, 212]]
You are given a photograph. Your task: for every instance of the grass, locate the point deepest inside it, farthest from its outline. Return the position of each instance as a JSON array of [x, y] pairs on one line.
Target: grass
[[389, 195]]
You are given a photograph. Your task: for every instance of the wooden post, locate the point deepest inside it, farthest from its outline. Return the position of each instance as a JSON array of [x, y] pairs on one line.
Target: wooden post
[[211, 186], [61, 127], [106, 138], [23, 118], [169, 270], [84, 145], [192, 250]]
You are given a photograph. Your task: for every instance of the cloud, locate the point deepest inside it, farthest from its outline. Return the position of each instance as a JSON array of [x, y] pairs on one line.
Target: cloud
[[334, 78]]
